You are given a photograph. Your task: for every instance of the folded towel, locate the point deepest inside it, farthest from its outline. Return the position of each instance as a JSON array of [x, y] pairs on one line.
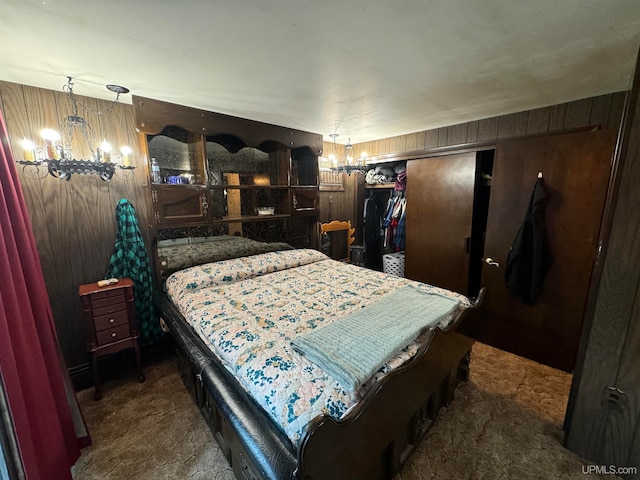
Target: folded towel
[[353, 348]]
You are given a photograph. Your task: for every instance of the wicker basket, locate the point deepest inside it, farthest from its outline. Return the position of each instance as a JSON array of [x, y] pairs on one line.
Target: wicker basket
[[393, 263]]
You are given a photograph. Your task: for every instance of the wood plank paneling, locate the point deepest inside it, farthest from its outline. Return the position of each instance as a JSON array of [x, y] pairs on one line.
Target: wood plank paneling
[[431, 139], [421, 139], [557, 115], [399, 143], [604, 110], [443, 139], [578, 113], [514, 125], [602, 427], [600, 110], [472, 132], [73, 221], [618, 101], [488, 129], [337, 205], [411, 143], [457, 134], [538, 121], [42, 111]]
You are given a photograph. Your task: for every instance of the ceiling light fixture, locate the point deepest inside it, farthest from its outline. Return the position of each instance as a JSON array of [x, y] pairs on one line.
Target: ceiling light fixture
[[57, 155], [347, 163]]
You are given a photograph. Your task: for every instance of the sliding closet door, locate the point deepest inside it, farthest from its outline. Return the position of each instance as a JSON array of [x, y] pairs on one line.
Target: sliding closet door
[[576, 171], [438, 220]]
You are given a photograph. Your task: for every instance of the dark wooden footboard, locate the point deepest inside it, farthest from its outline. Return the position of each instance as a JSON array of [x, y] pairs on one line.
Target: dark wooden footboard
[[371, 442]]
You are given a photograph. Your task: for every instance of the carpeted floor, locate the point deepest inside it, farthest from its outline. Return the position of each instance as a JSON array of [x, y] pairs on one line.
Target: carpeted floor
[[505, 423]]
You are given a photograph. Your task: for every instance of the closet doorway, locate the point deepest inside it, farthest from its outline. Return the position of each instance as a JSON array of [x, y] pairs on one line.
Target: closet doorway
[[448, 200], [463, 213]]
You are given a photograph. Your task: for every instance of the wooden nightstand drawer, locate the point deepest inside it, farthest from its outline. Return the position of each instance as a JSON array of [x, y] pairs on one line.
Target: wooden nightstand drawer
[[110, 317], [113, 320], [107, 298], [109, 310], [112, 334]]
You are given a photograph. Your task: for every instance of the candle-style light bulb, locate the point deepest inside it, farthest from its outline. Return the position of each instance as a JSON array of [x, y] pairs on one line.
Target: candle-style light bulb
[[105, 148], [28, 150], [126, 156], [51, 137]]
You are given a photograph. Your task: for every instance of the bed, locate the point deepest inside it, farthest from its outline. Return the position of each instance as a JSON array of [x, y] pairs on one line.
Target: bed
[[255, 325]]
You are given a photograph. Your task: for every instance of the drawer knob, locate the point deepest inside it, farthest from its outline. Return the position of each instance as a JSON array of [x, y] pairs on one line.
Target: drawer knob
[[114, 334], [111, 320], [110, 310]]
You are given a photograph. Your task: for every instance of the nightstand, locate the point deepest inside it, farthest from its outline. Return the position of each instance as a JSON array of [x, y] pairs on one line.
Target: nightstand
[[110, 317]]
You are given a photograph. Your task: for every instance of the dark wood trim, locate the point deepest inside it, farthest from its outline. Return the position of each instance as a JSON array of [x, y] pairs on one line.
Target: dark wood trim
[[468, 147], [81, 376], [605, 231], [151, 116], [604, 418]]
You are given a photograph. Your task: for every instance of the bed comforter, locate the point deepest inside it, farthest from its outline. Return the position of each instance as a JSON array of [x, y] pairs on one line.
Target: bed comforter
[[247, 310]]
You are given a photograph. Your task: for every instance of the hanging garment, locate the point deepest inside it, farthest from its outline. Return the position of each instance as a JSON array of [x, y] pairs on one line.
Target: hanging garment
[[386, 223], [529, 257], [372, 225], [399, 233], [130, 259]]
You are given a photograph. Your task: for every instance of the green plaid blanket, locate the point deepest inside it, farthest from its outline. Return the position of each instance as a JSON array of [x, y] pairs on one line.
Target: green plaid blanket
[[130, 259]]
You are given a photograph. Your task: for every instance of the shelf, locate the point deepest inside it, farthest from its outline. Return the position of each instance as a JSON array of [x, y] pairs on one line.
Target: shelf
[[237, 167], [251, 218], [381, 185], [248, 187]]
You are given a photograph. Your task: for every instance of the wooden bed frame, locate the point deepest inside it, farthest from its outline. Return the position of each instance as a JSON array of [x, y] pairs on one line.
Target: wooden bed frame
[[372, 442]]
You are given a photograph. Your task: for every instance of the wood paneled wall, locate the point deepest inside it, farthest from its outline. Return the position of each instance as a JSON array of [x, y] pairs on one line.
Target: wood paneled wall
[[74, 221], [604, 420], [604, 110], [341, 205]]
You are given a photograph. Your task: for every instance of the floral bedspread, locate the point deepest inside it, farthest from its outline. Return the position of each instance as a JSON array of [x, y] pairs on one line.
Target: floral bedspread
[[248, 309]]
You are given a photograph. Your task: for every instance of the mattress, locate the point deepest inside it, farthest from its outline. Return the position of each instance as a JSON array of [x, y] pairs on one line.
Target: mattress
[[247, 310]]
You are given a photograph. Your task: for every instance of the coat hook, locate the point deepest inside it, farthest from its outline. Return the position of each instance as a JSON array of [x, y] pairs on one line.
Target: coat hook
[[539, 174]]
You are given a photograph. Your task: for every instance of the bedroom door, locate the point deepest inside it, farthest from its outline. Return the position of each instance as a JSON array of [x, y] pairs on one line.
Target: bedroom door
[[440, 197], [576, 169]]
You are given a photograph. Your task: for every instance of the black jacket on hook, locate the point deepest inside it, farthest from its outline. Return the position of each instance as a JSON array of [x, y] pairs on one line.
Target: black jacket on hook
[[529, 257]]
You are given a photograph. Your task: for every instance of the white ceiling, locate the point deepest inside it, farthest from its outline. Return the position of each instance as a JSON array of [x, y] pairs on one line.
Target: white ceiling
[[363, 69]]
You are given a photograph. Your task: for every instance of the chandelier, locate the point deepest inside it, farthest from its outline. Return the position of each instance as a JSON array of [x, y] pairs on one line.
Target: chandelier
[[347, 163], [56, 157]]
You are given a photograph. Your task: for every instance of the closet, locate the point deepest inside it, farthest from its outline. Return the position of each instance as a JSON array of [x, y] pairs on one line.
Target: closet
[[384, 218], [446, 216], [464, 210]]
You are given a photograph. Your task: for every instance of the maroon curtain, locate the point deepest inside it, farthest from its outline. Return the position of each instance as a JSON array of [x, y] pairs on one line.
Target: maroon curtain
[[43, 407]]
